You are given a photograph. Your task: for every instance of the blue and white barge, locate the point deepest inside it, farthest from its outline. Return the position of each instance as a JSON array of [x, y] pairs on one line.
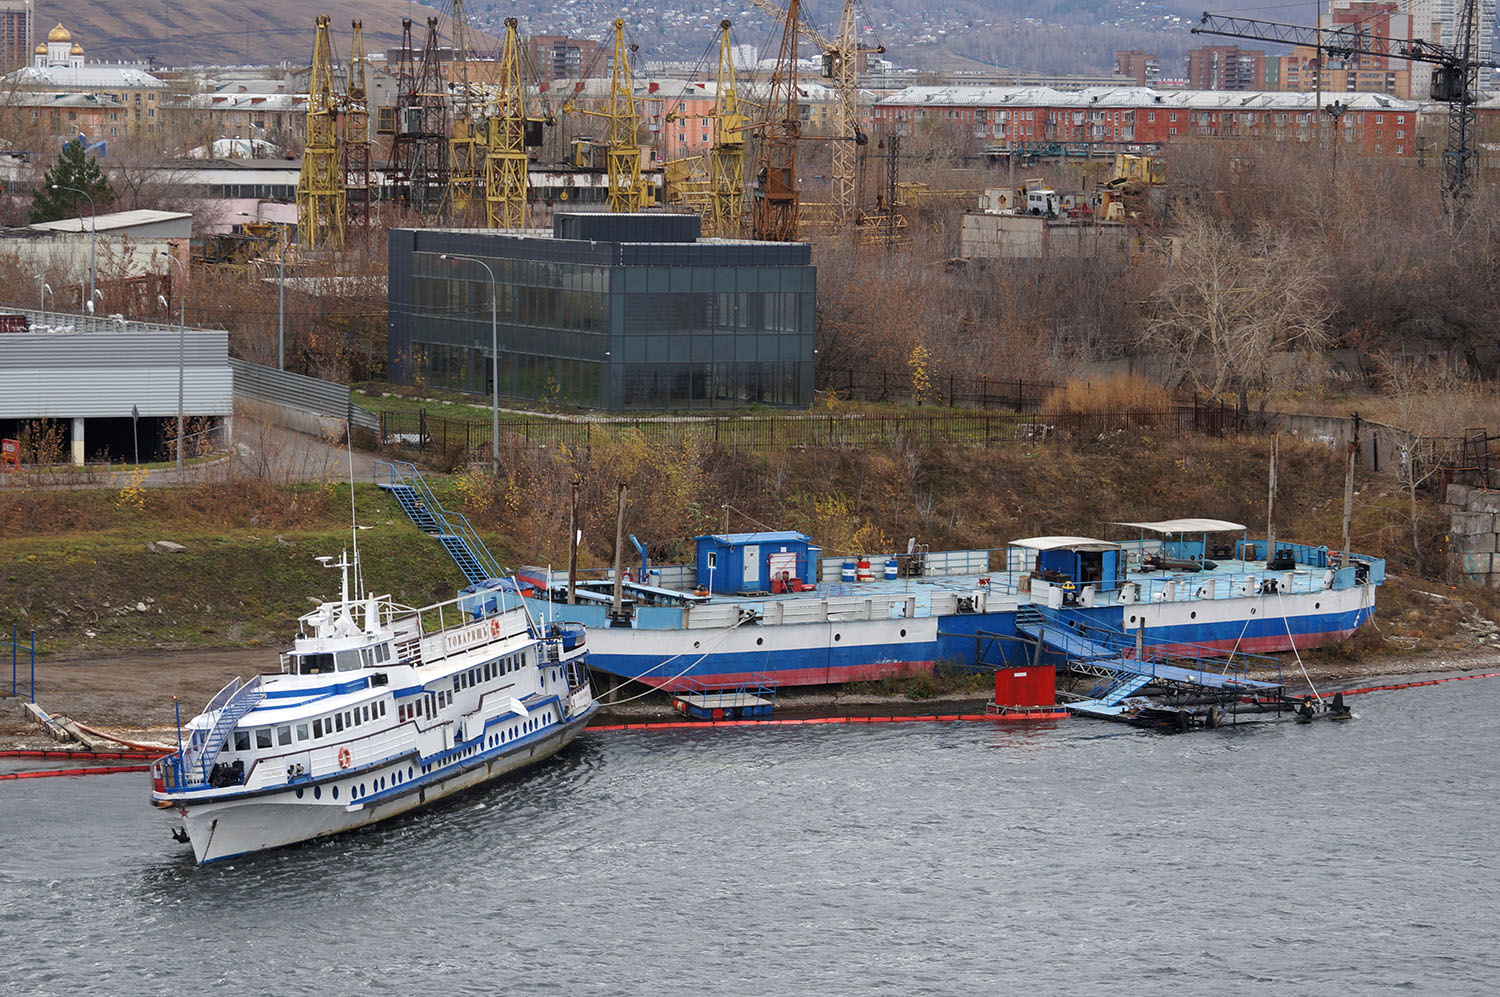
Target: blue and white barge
[[378, 709]]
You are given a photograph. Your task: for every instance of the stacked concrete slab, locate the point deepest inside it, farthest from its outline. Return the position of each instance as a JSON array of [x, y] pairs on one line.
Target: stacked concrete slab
[[1474, 533]]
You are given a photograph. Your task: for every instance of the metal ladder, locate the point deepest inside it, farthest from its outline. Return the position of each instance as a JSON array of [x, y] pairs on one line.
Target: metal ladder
[[451, 529]]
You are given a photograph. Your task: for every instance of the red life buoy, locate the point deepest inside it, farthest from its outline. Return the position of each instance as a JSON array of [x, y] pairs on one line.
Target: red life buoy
[[345, 758]]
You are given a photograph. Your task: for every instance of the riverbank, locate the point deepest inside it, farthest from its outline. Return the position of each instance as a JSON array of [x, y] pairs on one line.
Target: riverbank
[[130, 696]]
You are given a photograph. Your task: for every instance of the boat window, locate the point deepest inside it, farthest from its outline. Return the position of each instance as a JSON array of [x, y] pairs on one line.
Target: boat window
[[242, 740], [283, 735], [302, 732], [348, 661], [367, 714], [318, 727], [380, 708], [262, 737], [315, 664], [338, 721]]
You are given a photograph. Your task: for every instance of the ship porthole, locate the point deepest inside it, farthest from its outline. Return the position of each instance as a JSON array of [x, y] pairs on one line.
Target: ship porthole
[[1317, 605], [1132, 619], [838, 637], [695, 643], [903, 632], [759, 641], [1252, 612], [317, 792], [299, 792], [335, 792], [1193, 615]]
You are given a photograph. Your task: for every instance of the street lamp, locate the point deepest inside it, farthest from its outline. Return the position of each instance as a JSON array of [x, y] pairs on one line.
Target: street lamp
[[1336, 111], [494, 362], [42, 291], [93, 233], [181, 352]]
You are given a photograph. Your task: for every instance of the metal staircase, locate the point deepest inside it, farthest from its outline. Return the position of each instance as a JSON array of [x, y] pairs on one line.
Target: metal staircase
[[235, 700], [451, 529]]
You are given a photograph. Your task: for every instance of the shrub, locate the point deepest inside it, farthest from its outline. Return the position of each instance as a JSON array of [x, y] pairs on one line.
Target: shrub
[[1116, 393]]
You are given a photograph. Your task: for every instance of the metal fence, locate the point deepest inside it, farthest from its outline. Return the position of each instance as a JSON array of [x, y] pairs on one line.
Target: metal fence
[[427, 433], [853, 384]]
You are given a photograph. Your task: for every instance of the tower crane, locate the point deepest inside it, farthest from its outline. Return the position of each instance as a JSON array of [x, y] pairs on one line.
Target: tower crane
[[354, 137], [773, 214], [419, 147], [320, 187], [726, 160], [510, 132], [466, 147], [1455, 82], [627, 191], [840, 64]]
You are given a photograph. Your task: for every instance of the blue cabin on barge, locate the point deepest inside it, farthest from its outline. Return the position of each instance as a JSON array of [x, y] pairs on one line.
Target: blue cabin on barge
[[734, 563]]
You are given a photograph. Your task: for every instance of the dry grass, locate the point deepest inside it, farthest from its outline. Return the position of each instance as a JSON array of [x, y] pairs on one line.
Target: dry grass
[[1117, 393]]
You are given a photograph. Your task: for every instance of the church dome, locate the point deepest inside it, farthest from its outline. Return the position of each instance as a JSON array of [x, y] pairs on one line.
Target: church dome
[[41, 48], [77, 49], [59, 34]]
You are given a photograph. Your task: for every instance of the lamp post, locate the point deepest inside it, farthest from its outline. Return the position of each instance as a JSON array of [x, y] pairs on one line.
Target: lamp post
[[494, 362], [181, 352], [93, 233], [43, 289], [1336, 111]]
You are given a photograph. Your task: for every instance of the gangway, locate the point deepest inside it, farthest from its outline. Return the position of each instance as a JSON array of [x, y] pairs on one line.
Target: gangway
[[451, 529], [753, 697], [1126, 664]]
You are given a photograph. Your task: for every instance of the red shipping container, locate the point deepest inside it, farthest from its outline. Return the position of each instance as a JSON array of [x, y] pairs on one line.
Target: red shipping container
[[1034, 685]]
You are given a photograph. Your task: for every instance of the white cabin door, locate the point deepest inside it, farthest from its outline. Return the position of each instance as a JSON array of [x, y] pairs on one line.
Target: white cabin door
[[752, 567]]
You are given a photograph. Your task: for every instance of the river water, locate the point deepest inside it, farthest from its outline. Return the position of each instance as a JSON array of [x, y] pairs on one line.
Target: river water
[[965, 858]]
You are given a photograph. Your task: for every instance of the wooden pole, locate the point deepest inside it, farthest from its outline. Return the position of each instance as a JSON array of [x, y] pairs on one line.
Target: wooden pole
[[619, 551], [1348, 502], [1271, 503], [573, 547]]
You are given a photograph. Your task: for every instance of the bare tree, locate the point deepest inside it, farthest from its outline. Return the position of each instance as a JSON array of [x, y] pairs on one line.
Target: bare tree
[[1229, 304]]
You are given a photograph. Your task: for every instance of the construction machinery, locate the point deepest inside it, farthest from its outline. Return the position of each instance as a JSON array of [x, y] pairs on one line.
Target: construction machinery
[[466, 146], [510, 132], [354, 136], [1455, 81], [726, 160], [773, 214], [320, 188], [840, 65], [419, 145], [627, 189]]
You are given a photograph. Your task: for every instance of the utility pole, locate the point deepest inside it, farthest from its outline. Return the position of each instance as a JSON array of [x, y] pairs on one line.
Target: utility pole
[[1348, 501], [573, 546], [1271, 503], [619, 553]]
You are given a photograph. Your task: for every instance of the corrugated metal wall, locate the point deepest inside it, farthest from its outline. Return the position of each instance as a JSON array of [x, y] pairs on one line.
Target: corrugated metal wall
[[282, 387], [61, 375]]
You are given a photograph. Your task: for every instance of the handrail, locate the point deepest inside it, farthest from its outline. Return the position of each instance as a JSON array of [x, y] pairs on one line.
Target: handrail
[[452, 523]]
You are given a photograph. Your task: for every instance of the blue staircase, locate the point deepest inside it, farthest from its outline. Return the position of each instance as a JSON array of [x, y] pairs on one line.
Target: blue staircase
[[1126, 687], [451, 529], [241, 700]]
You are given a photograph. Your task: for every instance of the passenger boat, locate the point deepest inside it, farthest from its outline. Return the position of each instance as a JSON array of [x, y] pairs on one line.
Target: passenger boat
[[378, 709], [767, 609]]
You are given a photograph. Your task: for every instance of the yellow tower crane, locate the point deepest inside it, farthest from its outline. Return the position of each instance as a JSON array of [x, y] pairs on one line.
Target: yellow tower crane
[[726, 160], [354, 135], [627, 191], [505, 166], [466, 147], [320, 188]]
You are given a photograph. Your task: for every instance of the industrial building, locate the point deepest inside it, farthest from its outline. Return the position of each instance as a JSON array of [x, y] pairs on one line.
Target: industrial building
[[609, 311]]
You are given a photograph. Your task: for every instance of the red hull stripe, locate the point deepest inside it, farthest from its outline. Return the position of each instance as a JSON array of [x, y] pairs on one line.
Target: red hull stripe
[[788, 676], [809, 721]]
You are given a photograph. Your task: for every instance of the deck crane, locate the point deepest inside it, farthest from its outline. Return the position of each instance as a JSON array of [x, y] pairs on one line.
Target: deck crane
[[726, 160], [627, 190], [840, 64], [320, 187], [1455, 82], [505, 163], [354, 135], [773, 214]]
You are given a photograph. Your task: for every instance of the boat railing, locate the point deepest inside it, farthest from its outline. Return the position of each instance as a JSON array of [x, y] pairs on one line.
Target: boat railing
[[196, 760], [1147, 652]]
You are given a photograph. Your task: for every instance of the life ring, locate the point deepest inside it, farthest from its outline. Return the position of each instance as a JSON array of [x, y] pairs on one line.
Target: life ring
[[345, 758]]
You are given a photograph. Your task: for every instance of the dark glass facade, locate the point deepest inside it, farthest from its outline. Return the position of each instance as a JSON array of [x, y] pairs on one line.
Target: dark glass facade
[[629, 312]]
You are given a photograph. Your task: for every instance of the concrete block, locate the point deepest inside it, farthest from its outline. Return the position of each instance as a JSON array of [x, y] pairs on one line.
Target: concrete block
[[1476, 565], [1447, 510], [1481, 500], [1477, 543], [1457, 494], [1469, 523]]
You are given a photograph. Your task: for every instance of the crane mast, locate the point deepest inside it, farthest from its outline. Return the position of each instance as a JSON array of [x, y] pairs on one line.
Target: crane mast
[[773, 215], [627, 191], [466, 147], [320, 187], [355, 135], [726, 160], [505, 166], [1455, 82]]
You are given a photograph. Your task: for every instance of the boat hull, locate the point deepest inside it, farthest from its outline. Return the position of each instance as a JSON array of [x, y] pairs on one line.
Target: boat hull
[[224, 828]]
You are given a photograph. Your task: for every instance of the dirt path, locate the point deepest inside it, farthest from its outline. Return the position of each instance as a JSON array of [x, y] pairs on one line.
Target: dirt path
[[130, 695]]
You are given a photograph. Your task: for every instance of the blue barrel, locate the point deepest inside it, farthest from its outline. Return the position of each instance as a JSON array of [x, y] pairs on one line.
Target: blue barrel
[[890, 570], [848, 573]]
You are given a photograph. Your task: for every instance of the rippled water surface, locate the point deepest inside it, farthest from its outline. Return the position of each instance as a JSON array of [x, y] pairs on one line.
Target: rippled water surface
[[902, 859]]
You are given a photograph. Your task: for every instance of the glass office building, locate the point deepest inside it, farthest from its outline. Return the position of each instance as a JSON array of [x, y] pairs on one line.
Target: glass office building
[[609, 311]]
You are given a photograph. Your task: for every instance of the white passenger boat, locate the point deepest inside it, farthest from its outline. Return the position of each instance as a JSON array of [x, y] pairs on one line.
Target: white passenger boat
[[378, 709]]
